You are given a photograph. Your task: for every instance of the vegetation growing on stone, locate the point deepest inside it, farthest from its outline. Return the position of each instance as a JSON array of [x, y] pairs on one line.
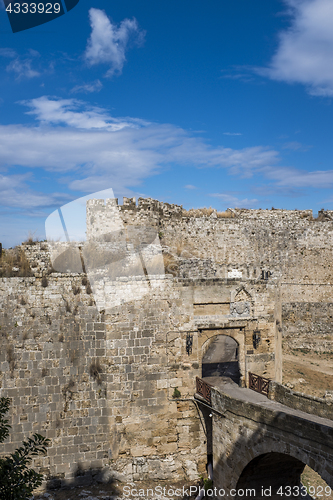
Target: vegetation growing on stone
[[95, 371], [170, 264], [176, 393], [17, 480], [76, 289], [14, 263], [11, 358], [44, 282]]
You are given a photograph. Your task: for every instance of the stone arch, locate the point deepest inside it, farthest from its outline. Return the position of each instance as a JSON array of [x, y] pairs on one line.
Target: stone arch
[[221, 358], [293, 453], [271, 470], [208, 337]]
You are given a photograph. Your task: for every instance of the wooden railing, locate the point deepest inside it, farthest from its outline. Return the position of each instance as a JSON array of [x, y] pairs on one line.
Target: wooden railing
[[258, 383], [203, 389]]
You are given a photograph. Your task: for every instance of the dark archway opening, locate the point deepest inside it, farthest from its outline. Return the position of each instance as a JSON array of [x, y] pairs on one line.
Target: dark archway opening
[[273, 474], [221, 359]]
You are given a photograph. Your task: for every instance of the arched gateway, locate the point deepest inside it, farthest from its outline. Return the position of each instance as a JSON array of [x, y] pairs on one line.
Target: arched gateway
[[221, 358], [223, 353]]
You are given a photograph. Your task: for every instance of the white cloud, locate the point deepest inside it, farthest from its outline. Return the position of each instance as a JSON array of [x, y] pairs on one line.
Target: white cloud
[[268, 190], [91, 150], [232, 133], [7, 52], [22, 69], [190, 186], [76, 114], [88, 88], [15, 192], [88, 150], [305, 51], [241, 73], [233, 201], [108, 42], [296, 146], [298, 178]]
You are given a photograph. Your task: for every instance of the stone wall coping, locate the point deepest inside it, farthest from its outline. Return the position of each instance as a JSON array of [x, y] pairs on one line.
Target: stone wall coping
[[294, 421], [274, 384], [300, 401]]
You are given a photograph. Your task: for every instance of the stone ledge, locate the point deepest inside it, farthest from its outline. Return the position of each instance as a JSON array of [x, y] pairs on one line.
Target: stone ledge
[[300, 401]]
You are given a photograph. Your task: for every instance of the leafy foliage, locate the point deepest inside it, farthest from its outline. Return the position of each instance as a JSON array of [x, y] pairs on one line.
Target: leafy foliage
[[4, 426], [17, 481], [176, 393]]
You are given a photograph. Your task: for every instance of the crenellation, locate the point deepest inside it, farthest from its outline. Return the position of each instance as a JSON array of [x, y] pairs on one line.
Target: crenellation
[[272, 214]]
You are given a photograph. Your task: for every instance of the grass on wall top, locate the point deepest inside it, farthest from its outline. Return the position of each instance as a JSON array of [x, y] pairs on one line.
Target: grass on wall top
[[13, 263]]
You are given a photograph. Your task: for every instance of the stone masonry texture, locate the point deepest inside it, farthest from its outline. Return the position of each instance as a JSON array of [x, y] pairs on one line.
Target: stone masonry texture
[[100, 383]]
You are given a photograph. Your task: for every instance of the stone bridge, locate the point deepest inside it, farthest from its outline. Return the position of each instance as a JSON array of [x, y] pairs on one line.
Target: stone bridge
[[259, 443]]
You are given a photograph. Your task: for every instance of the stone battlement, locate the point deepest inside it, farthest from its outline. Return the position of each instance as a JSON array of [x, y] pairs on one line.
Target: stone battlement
[[103, 216]]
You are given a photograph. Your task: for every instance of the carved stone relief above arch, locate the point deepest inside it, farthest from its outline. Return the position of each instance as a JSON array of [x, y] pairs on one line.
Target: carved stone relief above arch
[[240, 304], [242, 295]]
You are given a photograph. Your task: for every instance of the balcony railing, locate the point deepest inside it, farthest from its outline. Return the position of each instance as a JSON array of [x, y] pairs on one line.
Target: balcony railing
[[203, 389], [258, 383]]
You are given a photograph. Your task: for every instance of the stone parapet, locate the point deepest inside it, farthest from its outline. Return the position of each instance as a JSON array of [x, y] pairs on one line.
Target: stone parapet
[[257, 442], [300, 401]]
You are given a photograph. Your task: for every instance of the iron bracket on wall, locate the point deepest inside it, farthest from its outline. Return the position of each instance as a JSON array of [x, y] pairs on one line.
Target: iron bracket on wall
[[189, 343]]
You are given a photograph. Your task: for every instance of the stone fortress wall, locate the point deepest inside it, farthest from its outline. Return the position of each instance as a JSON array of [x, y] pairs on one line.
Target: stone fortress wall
[[100, 383], [292, 245]]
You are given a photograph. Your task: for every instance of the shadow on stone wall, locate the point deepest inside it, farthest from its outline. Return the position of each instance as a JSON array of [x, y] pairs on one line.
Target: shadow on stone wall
[[82, 478]]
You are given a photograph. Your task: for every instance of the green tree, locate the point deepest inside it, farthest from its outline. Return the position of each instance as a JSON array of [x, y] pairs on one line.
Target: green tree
[[17, 481]]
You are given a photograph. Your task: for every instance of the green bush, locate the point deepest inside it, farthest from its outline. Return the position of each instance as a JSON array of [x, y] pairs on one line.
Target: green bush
[[17, 481], [176, 393]]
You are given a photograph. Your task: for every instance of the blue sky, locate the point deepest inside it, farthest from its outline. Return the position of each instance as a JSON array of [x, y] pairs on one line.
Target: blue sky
[[223, 104]]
